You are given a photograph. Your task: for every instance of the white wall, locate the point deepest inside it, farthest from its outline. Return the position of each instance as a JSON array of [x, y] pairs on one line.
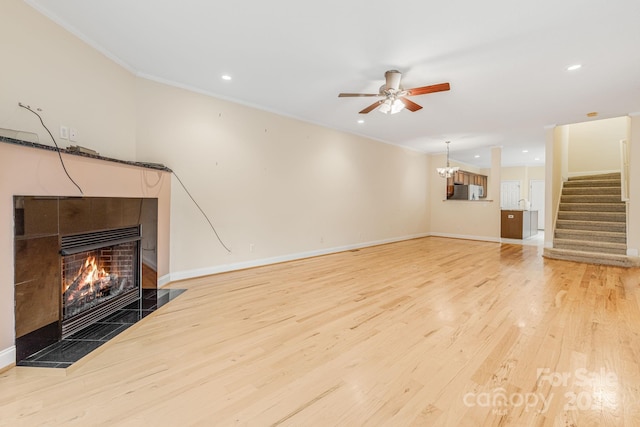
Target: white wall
[[524, 174], [46, 67], [555, 174], [479, 220], [594, 146], [280, 186]]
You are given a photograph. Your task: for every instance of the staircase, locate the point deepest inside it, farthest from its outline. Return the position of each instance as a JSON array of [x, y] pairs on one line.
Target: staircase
[[592, 222]]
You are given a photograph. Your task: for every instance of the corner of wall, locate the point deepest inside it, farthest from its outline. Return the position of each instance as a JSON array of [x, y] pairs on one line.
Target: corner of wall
[[633, 230]]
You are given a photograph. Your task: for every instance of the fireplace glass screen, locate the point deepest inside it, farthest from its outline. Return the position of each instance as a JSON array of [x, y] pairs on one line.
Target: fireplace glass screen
[[99, 276], [93, 277]]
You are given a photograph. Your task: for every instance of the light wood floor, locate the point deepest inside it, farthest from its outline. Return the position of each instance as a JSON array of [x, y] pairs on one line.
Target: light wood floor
[[427, 332]]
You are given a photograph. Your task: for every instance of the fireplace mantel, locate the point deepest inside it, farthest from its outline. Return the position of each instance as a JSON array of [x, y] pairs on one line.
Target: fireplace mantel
[[156, 166]]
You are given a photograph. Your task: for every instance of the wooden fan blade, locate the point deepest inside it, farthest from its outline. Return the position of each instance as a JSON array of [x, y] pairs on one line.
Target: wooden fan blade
[[342, 95], [409, 105], [371, 107], [428, 89]]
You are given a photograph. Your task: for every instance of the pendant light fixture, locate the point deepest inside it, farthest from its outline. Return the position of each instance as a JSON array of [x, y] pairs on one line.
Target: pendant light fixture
[[448, 171]]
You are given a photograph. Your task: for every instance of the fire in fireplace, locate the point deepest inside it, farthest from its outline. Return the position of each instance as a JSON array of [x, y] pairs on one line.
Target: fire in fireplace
[[100, 274], [92, 283], [88, 286]]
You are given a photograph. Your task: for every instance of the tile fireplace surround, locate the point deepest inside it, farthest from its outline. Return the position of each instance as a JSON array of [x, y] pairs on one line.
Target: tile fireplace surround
[[42, 226], [114, 188]]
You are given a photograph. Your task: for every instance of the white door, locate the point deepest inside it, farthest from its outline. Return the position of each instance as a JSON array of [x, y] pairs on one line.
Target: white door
[[536, 194], [509, 195]]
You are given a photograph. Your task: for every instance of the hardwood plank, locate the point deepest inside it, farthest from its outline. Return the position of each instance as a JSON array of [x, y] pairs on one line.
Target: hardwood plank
[[429, 331]]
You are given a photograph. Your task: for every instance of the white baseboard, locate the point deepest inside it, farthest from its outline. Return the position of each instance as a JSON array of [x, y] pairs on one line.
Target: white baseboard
[[189, 274], [468, 237], [8, 357], [150, 261], [164, 280]]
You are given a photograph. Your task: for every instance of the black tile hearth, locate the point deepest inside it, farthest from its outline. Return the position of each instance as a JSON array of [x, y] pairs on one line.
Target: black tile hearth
[[64, 353]]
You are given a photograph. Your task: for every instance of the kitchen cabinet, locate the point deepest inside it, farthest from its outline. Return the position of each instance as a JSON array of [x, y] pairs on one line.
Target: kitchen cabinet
[[462, 177]]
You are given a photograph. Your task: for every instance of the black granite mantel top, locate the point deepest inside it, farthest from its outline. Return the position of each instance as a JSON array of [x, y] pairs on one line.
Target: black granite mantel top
[[156, 166]]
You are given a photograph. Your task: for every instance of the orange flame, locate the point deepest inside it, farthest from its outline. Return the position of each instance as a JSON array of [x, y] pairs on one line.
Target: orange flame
[[88, 274]]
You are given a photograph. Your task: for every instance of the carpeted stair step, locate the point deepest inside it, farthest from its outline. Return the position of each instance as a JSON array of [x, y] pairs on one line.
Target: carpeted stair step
[[569, 224], [591, 222], [591, 190], [593, 216], [580, 245], [611, 175], [592, 236], [590, 257], [593, 207], [592, 183], [591, 198]]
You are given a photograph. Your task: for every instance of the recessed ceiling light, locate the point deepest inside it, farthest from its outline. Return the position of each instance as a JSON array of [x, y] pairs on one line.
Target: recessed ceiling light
[[573, 67], [477, 156], [226, 77], [360, 121], [525, 151], [537, 158]]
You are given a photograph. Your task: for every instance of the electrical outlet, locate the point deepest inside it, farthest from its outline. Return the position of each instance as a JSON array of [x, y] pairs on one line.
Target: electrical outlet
[[64, 132], [73, 134]]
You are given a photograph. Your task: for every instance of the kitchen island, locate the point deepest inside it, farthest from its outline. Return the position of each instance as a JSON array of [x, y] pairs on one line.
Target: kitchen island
[[518, 223]]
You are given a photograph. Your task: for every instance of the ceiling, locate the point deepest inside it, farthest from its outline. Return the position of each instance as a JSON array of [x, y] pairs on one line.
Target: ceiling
[[506, 62]]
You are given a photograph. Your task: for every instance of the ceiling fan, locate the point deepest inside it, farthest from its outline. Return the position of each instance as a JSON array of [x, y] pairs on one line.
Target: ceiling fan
[[395, 96]]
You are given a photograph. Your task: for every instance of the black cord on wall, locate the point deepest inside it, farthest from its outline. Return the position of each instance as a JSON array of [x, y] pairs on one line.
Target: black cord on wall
[[202, 212], [26, 107]]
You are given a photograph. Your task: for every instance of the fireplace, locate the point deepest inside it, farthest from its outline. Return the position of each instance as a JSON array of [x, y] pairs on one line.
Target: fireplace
[[100, 274], [78, 262]]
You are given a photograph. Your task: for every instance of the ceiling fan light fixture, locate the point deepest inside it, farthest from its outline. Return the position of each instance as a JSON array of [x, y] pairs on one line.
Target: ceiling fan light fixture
[[391, 106], [396, 106], [395, 96]]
